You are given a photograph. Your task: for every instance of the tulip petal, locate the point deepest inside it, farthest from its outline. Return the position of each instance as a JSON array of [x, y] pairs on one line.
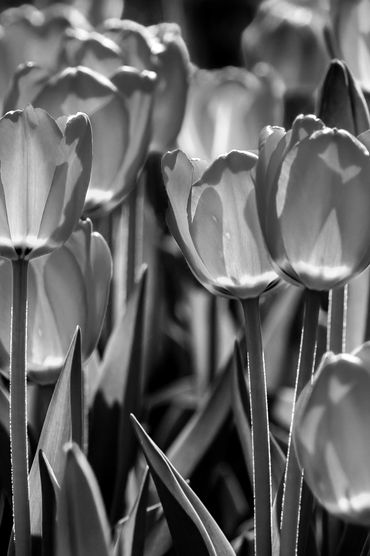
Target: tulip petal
[[331, 437], [179, 174], [323, 195], [225, 229], [70, 182], [133, 40], [29, 147], [26, 83]]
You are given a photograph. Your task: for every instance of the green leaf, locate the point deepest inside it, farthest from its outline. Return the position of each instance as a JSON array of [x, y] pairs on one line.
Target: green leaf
[[63, 422], [193, 529], [131, 534], [82, 526], [118, 394], [50, 491]]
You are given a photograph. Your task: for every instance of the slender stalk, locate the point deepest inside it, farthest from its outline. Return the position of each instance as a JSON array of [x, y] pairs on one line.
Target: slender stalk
[[260, 429], [18, 410], [213, 338], [290, 518], [131, 260], [337, 319]]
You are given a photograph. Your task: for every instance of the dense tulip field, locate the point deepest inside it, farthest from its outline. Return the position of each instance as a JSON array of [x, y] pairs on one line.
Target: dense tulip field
[[184, 283]]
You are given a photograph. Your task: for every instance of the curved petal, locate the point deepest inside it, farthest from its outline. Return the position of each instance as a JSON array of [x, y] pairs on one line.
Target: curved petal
[[178, 174], [321, 208], [224, 226]]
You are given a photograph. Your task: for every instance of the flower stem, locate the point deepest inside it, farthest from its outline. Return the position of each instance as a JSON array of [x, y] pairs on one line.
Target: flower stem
[[213, 338], [18, 410], [337, 319], [131, 243], [260, 429], [290, 518]]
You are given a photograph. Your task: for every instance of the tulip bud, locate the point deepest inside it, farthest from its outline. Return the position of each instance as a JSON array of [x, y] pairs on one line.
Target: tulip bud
[[227, 108], [290, 38], [342, 103], [351, 31], [45, 171], [67, 288], [213, 218], [313, 198], [115, 130], [332, 435]]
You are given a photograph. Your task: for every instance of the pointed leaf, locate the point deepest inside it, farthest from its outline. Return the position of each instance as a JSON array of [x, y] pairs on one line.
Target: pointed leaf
[[82, 526], [117, 396], [60, 422], [132, 532], [192, 527], [50, 491]]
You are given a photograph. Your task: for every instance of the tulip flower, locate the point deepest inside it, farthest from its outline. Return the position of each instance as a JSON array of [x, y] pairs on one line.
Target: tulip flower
[[313, 199], [213, 218], [45, 171], [120, 120], [29, 34], [67, 288], [159, 48], [89, 49], [332, 435], [290, 38], [227, 108], [351, 32]]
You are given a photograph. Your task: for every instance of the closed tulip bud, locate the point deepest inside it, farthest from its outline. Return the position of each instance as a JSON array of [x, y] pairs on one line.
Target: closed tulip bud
[[313, 198], [45, 171], [351, 25], [342, 103], [114, 127], [227, 108], [332, 435], [213, 217], [67, 288], [290, 38]]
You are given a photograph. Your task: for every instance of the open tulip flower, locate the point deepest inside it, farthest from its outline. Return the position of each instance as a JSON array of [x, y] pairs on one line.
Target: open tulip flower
[[213, 218], [159, 48], [313, 198], [120, 119], [45, 172], [67, 288], [332, 435], [227, 108], [28, 34]]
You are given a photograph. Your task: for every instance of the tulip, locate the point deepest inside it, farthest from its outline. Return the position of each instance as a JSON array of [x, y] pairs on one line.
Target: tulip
[[120, 120], [213, 218], [351, 31], [45, 171], [159, 48], [332, 435], [227, 108], [89, 49], [290, 38], [313, 200], [67, 288], [29, 34]]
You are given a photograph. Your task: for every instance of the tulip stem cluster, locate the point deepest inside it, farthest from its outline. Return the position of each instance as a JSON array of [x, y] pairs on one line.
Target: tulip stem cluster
[[260, 428], [290, 519], [337, 319], [18, 409]]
